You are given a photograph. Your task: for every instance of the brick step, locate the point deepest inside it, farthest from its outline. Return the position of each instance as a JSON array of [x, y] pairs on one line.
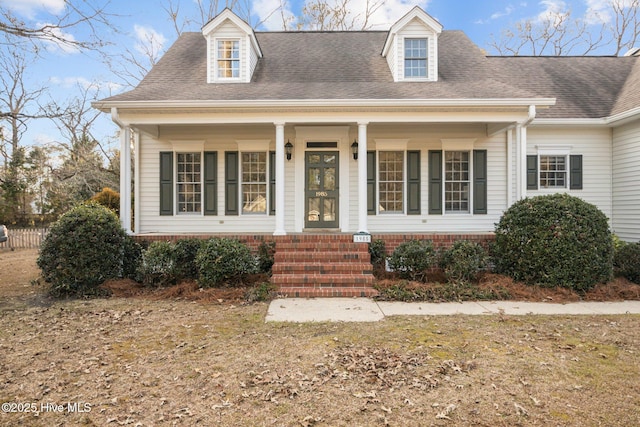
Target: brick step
[[318, 279], [307, 292], [323, 268]]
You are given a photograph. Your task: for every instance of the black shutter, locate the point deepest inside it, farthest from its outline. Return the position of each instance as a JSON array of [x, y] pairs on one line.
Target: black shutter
[[210, 193], [479, 181], [413, 182], [272, 182], [166, 183], [575, 169], [532, 172], [435, 182], [371, 182], [231, 182]]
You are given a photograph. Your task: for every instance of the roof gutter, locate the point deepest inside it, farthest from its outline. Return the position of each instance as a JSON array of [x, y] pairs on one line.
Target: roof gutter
[[115, 117], [107, 106]]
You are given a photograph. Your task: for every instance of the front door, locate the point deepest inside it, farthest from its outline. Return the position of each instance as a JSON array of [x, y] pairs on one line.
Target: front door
[[321, 189]]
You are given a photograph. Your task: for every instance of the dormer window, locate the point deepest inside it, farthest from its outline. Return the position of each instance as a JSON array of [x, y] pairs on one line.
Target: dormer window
[[232, 49], [228, 60], [415, 58], [411, 47]]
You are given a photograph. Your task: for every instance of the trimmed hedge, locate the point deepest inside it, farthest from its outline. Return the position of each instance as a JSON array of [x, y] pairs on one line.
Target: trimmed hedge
[[413, 259], [224, 261], [626, 262], [463, 261], [159, 266], [85, 247], [554, 240]]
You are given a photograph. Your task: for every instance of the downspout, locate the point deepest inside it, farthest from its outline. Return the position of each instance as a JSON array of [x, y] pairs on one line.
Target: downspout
[[521, 162], [125, 171]]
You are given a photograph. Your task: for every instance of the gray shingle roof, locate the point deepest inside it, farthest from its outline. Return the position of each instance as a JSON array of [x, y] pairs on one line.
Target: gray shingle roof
[[349, 65]]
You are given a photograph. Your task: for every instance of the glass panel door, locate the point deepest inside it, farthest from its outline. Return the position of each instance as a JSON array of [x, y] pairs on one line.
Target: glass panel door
[[321, 189]]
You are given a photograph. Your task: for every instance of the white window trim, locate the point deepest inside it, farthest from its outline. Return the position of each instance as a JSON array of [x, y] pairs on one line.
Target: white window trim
[[556, 151], [186, 149], [403, 76], [253, 146], [395, 146], [241, 60], [457, 144]]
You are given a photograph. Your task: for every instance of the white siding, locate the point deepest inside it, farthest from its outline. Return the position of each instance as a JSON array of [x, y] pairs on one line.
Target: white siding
[[223, 138], [425, 138], [220, 139], [415, 29], [228, 30], [626, 181], [594, 144]]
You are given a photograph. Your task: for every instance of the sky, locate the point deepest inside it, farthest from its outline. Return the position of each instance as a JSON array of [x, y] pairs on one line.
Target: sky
[[63, 70]]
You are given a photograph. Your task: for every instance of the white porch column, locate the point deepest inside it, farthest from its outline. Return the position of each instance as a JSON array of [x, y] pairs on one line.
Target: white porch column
[[280, 159], [125, 178], [362, 177], [521, 162], [136, 181]]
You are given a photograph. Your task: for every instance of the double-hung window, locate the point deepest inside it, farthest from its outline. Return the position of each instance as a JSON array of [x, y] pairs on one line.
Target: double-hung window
[[553, 171], [228, 59], [456, 181], [254, 182], [188, 182], [391, 181], [415, 58]]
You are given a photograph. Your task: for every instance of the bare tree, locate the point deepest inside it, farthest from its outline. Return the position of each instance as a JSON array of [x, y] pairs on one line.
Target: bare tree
[[562, 33], [76, 14], [331, 15], [17, 101]]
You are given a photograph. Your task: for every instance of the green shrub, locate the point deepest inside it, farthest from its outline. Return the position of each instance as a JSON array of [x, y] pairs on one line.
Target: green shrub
[[108, 198], [223, 261], [83, 248], [185, 252], [413, 259], [159, 266], [463, 261], [264, 291], [626, 262], [266, 252], [554, 240], [132, 259], [378, 252]]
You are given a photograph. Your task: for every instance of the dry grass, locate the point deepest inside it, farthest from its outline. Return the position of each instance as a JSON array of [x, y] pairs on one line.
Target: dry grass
[[143, 361]]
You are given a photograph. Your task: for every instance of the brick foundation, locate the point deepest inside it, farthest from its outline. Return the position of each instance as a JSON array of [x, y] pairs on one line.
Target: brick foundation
[[326, 265]]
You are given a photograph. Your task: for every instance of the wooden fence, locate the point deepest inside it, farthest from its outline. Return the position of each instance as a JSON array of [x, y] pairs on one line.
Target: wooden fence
[[24, 238]]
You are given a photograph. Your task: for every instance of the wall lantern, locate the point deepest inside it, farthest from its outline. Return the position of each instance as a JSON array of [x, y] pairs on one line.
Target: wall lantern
[[354, 149], [288, 148]]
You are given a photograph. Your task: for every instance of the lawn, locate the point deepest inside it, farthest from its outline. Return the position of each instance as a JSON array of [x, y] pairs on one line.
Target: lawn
[[144, 361]]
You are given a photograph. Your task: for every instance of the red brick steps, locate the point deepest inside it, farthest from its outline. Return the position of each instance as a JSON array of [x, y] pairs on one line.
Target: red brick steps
[[322, 265]]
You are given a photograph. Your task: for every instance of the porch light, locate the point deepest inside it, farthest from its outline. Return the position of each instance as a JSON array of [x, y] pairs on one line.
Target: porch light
[[354, 149], [288, 148]]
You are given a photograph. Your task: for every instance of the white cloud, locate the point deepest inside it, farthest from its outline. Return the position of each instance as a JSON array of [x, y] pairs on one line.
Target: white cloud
[[56, 41], [29, 8], [269, 14], [554, 10], [497, 15], [148, 40], [382, 18], [107, 87]]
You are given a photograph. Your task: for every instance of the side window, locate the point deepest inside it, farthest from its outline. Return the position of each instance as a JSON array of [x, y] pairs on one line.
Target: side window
[[391, 181], [188, 182], [254, 182]]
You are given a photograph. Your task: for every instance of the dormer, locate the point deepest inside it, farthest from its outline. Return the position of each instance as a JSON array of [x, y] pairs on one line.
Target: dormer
[[411, 47], [232, 49]]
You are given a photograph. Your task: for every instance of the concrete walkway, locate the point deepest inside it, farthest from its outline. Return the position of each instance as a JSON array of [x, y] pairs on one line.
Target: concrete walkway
[[367, 310]]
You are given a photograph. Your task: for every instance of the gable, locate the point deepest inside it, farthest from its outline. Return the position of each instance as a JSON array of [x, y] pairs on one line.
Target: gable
[[232, 49]]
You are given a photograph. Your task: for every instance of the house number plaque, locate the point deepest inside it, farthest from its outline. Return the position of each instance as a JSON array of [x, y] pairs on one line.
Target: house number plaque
[[321, 194]]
